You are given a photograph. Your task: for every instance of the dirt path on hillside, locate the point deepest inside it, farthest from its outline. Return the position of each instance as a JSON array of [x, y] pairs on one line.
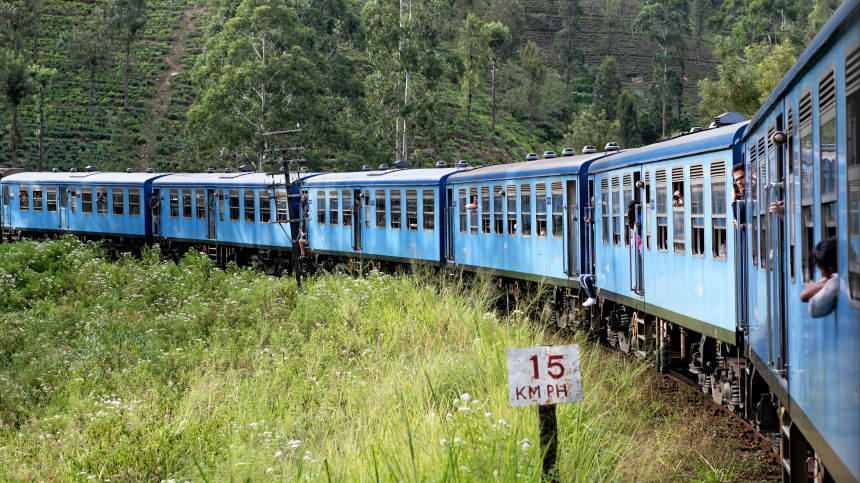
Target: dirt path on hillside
[[177, 49]]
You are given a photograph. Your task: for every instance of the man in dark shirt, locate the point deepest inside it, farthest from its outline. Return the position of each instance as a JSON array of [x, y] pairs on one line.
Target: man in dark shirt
[[738, 193], [154, 204]]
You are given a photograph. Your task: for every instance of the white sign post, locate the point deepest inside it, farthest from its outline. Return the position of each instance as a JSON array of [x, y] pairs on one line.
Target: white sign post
[[544, 376]]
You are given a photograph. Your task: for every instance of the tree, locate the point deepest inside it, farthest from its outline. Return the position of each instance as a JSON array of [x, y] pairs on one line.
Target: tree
[[628, 120], [15, 17], [43, 77], [534, 69], [510, 14], [89, 52], [498, 36], [664, 24], [607, 88], [128, 17], [570, 11], [475, 51], [700, 12], [17, 86], [256, 76], [588, 128]]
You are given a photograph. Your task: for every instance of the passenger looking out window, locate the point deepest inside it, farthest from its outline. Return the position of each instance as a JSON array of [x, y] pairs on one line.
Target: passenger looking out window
[[738, 193], [821, 295]]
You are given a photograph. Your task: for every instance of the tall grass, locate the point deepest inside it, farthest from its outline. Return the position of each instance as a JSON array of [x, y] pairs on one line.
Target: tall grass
[[141, 370]]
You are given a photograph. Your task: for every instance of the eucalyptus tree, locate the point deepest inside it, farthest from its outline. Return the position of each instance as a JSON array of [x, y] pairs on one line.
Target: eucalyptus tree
[[475, 51], [17, 86], [570, 11], [89, 51], [127, 18], [534, 68], [607, 88], [509, 13], [498, 36], [628, 120], [42, 77], [15, 17]]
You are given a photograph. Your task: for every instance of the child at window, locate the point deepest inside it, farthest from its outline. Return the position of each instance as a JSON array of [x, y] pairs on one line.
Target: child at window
[[821, 295]]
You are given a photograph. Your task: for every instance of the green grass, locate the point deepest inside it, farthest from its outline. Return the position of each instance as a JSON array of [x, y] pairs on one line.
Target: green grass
[[141, 370]]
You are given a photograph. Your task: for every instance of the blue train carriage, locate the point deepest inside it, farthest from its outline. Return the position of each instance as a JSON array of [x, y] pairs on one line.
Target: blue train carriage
[[232, 216], [524, 222], [803, 177], [675, 294], [386, 215], [92, 205]]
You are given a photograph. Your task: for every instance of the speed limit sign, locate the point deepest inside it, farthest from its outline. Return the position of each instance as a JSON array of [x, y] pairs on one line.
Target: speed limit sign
[[544, 375]]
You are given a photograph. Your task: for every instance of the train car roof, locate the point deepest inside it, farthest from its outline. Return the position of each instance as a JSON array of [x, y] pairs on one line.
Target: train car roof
[[700, 142], [841, 18], [527, 169], [420, 176], [238, 178], [80, 177]]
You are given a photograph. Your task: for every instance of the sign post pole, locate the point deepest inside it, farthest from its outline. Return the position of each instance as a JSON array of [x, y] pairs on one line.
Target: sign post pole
[[548, 439]]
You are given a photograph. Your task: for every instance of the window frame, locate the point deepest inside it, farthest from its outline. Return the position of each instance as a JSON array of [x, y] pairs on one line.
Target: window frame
[[73, 203], [526, 210], [428, 217], [412, 196], [646, 209], [679, 244], [200, 204], [511, 209], [719, 208], [333, 207], [396, 194], [117, 210], [605, 211], [86, 192], [540, 201], [321, 207], [235, 208], [249, 210], [37, 207], [698, 246], [556, 195], [265, 206], [348, 204], [134, 202], [380, 206], [852, 175], [25, 189], [464, 214], [616, 211], [49, 202], [498, 210]]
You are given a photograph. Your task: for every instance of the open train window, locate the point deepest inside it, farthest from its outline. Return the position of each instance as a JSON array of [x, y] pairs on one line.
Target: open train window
[[87, 200], [827, 154], [24, 198], [346, 199], [411, 209], [662, 210], [464, 216], [762, 207], [498, 210], [526, 208], [266, 206], [485, 210], [678, 202], [540, 214], [557, 209], [852, 138], [616, 211], [74, 202], [134, 202], [719, 247], [221, 205], [380, 208], [751, 208], [281, 204], [807, 221], [604, 209], [200, 204], [697, 210], [473, 214], [428, 210], [321, 207], [333, 208], [627, 190], [118, 207], [367, 208], [38, 201], [234, 205], [101, 201], [395, 209], [249, 206], [512, 210], [789, 192], [51, 199], [646, 210]]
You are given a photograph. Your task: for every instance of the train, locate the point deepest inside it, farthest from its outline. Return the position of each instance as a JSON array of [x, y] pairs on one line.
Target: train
[[699, 245]]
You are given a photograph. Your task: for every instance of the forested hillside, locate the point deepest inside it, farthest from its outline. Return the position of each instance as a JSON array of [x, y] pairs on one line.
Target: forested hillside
[[178, 85]]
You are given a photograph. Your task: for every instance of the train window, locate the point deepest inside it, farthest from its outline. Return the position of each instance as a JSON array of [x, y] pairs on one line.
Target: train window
[[101, 201], [321, 207], [604, 208], [334, 216], [852, 138], [221, 205], [51, 198], [540, 205], [249, 206], [719, 248], [428, 210], [807, 222], [557, 209], [512, 210], [265, 206], [234, 205], [827, 155], [627, 190], [37, 198], [498, 210], [789, 191], [646, 210], [616, 211], [380, 208], [186, 204], [411, 209], [74, 203], [473, 214], [678, 228], [464, 220], [86, 200], [200, 204], [395, 210], [662, 213], [24, 198], [750, 207], [762, 205], [346, 198], [485, 210], [697, 210], [281, 200], [526, 208], [134, 202], [367, 208], [118, 196]]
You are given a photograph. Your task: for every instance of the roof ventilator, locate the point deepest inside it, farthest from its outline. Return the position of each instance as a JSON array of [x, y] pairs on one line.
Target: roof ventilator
[[462, 163], [210, 170], [531, 157], [727, 118], [441, 164], [305, 169], [383, 167], [55, 170], [246, 168], [568, 152], [73, 170], [589, 149], [611, 147], [150, 170], [228, 170], [401, 164], [91, 168], [366, 167]]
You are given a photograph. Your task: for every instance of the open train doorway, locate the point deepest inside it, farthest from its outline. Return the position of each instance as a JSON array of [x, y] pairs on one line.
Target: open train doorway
[[5, 214], [211, 213], [356, 224], [62, 209], [572, 230]]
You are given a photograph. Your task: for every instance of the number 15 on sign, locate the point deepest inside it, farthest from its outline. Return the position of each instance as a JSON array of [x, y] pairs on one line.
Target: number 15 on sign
[[544, 375]]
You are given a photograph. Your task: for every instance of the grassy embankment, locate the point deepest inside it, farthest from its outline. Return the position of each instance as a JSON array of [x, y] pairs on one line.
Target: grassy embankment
[[140, 370]]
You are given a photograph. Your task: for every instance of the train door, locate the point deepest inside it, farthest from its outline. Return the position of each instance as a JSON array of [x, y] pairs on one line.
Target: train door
[[452, 205], [776, 244], [356, 224], [156, 212], [572, 208], [637, 268], [5, 214], [212, 213], [62, 209]]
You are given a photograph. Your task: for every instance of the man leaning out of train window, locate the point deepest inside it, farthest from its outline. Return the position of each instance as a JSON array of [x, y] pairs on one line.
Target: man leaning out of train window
[[821, 295]]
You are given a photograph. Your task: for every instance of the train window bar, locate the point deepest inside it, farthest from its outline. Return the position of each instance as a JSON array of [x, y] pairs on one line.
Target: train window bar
[[234, 205], [473, 214], [200, 204], [37, 198], [346, 201], [23, 198], [186, 204], [558, 209], [265, 206], [627, 191]]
